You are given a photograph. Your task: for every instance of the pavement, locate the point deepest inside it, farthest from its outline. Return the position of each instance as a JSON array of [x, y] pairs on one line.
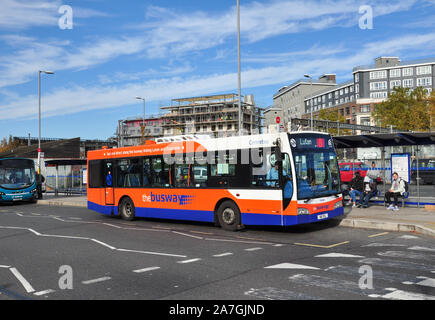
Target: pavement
[[408, 219]]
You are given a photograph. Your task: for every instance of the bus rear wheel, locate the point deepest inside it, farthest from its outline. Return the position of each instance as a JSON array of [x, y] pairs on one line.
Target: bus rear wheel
[[228, 215], [127, 209]]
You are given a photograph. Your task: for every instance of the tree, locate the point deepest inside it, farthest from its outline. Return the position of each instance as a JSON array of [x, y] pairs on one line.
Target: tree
[[406, 109], [332, 116], [8, 144]]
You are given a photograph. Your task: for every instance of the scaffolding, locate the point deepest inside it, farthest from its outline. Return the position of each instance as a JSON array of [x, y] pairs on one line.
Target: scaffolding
[[216, 115]]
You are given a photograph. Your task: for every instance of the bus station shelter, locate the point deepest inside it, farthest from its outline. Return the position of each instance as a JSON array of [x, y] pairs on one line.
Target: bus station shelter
[[397, 139], [70, 184]]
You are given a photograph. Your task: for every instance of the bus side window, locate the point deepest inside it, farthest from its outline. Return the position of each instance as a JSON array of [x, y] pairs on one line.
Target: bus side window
[[147, 177], [129, 173], [96, 174]]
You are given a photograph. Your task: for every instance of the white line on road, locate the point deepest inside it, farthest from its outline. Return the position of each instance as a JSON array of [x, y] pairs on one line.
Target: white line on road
[[6, 267], [96, 280], [23, 281], [253, 249], [104, 244], [403, 295], [45, 292], [153, 253], [146, 269], [417, 248], [291, 266], [189, 261], [223, 254], [338, 255], [188, 235]]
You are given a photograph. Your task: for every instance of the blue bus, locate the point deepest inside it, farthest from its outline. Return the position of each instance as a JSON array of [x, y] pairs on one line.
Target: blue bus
[[17, 180]]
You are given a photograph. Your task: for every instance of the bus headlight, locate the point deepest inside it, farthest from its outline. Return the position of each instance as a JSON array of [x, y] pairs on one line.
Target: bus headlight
[[303, 211], [338, 204]]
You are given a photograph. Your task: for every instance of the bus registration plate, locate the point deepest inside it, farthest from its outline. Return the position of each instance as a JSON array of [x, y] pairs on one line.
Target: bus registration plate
[[322, 216]]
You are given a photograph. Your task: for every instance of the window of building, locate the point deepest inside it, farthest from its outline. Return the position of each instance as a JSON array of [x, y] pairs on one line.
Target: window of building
[[423, 82], [408, 83], [423, 70], [395, 83], [382, 74], [356, 77], [378, 95], [406, 72], [357, 88], [346, 90], [378, 85], [395, 73], [365, 108]]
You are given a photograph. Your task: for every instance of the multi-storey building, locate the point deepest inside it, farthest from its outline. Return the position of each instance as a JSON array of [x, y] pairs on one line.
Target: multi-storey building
[[130, 132], [373, 83], [216, 115], [290, 99], [356, 99]]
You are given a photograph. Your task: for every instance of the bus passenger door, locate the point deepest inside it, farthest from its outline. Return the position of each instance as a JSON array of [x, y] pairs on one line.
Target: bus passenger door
[[108, 182]]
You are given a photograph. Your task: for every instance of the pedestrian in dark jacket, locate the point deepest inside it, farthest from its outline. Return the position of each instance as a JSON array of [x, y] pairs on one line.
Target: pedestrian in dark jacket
[[369, 191], [356, 187]]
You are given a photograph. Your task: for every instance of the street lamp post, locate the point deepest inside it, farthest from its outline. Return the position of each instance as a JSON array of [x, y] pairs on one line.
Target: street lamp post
[[143, 118], [311, 104], [239, 68], [39, 116]]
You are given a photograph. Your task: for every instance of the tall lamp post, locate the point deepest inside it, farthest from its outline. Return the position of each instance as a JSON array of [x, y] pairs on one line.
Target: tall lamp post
[[143, 117], [311, 104], [239, 68], [39, 116]]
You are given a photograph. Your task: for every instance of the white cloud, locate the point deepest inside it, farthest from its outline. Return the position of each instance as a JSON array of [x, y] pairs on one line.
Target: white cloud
[[78, 99]]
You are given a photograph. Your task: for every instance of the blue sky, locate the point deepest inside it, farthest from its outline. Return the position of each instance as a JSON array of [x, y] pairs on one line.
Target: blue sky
[[169, 49]]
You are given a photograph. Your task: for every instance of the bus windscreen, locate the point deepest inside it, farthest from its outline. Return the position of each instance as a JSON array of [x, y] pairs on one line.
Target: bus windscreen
[[16, 174], [316, 166]]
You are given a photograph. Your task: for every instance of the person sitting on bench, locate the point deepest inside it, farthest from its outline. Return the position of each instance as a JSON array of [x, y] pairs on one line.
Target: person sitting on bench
[[396, 191]]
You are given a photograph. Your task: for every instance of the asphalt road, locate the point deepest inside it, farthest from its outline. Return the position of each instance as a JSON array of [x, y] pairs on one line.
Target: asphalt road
[[73, 253]]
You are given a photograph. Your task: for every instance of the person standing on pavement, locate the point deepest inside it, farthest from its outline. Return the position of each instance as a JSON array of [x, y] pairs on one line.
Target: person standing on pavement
[[356, 187], [40, 179], [396, 191]]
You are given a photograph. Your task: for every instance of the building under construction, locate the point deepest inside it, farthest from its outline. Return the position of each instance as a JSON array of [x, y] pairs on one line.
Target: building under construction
[[216, 115]]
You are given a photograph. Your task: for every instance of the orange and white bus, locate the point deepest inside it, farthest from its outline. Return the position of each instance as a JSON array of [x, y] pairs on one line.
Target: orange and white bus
[[269, 179]]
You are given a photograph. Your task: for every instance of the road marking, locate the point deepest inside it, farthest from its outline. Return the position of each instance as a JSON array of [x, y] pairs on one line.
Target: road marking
[[96, 241], [189, 261], [223, 254], [338, 255], [428, 282], [200, 232], [397, 264], [187, 235], [376, 244], [146, 269], [408, 237], [271, 293], [291, 266], [153, 253], [417, 248], [402, 254], [253, 249], [45, 292], [103, 244], [378, 234], [96, 280], [321, 246], [238, 241], [22, 280], [403, 295], [6, 267], [383, 275], [328, 283]]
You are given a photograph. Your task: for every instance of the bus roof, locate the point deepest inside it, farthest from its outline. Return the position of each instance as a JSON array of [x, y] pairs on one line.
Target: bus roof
[[195, 145]]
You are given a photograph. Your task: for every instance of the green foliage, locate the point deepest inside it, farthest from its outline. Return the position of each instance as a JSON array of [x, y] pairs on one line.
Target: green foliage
[[406, 109]]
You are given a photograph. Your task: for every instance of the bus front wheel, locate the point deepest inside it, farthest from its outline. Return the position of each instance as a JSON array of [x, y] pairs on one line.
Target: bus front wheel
[[228, 215], [127, 209]]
